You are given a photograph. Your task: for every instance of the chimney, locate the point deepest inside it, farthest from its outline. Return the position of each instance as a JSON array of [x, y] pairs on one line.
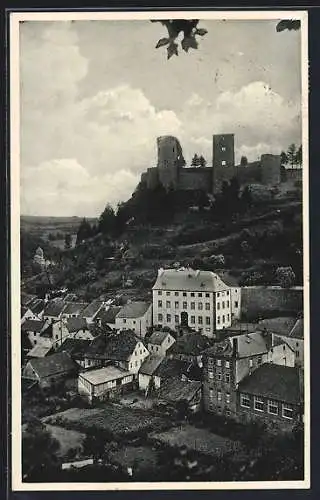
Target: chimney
[[234, 347]]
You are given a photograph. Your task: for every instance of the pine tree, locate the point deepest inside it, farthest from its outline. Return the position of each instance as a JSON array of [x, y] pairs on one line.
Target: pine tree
[[291, 154], [195, 162]]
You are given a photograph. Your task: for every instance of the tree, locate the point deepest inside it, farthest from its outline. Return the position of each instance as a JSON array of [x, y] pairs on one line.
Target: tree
[[299, 156], [283, 158], [246, 198], [244, 161], [195, 162], [202, 161], [291, 155], [84, 231], [39, 449], [107, 221], [285, 276], [67, 241]]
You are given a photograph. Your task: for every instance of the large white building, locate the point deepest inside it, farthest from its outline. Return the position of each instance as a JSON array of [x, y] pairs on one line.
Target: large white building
[[199, 299]]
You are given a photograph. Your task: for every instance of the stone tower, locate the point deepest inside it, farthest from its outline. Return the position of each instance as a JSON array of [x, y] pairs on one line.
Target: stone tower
[[170, 160], [270, 169], [223, 160]]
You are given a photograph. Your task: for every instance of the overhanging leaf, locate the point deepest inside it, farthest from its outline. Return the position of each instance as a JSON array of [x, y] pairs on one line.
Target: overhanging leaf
[[201, 31], [162, 42], [172, 50]]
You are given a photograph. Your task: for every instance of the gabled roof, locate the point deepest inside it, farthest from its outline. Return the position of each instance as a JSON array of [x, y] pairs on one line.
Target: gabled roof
[[74, 307], [75, 347], [252, 344], [37, 306], [76, 324], [39, 351], [178, 390], [92, 309], [54, 309], [134, 309], [33, 325], [273, 381], [297, 331], [109, 315], [53, 364], [118, 347], [170, 368], [158, 337], [192, 344], [281, 325], [103, 375], [150, 364], [188, 280]]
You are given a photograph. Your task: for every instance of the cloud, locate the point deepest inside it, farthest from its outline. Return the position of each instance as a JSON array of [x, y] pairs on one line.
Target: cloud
[[65, 188]]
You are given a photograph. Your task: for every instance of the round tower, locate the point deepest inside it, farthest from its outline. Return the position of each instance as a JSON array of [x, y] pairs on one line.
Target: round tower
[[170, 160]]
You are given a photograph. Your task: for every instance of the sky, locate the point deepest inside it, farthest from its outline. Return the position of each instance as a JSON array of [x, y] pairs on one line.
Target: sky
[[94, 96]]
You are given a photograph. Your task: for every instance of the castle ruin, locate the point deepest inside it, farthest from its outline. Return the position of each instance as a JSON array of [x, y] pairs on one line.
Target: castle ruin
[[171, 171]]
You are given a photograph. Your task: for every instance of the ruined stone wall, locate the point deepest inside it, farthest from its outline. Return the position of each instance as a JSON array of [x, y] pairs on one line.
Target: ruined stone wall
[[270, 169], [195, 179]]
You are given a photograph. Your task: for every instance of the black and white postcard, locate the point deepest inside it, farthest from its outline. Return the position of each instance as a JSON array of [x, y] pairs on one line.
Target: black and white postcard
[[159, 250]]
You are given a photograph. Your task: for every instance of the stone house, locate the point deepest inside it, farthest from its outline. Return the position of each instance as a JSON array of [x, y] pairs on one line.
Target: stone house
[[76, 348], [92, 310], [228, 362], [160, 342], [192, 298], [107, 316], [70, 328], [273, 394], [290, 331], [189, 347], [103, 383], [53, 310], [147, 377], [124, 350], [176, 390], [136, 316], [73, 309], [34, 330], [51, 370]]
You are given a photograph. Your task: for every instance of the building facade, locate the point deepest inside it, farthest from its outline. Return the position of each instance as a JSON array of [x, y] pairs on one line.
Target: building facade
[[193, 298]]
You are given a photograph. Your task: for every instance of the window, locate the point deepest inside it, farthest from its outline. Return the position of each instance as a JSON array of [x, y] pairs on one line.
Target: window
[[176, 294], [193, 319], [167, 293], [124, 320], [168, 318], [184, 294], [223, 148], [218, 320], [228, 292], [192, 294], [159, 317], [223, 163], [250, 363], [211, 394], [57, 335], [218, 294], [207, 320], [199, 294], [184, 305], [273, 407], [227, 398], [218, 305], [176, 319], [159, 292], [227, 378], [259, 360], [228, 303], [176, 305], [223, 319], [297, 344], [219, 395], [258, 404], [210, 373], [236, 304], [200, 320], [193, 305], [159, 303], [244, 400], [200, 306], [297, 354], [207, 295], [136, 363], [218, 362], [227, 364], [228, 413], [207, 306], [287, 411], [219, 376], [223, 305], [168, 304], [284, 348]]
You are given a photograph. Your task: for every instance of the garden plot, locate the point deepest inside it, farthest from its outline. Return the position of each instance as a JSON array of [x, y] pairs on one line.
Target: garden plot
[[118, 420], [199, 440]]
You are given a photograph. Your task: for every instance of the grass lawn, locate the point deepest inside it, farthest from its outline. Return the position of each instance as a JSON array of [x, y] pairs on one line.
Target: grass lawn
[[67, 438], [200, 440], [119, 420], [140, 457]]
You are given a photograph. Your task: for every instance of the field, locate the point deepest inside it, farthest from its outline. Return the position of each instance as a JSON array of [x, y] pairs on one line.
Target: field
[[68, 439], [199, 440], [116, 419], [140, 456]]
